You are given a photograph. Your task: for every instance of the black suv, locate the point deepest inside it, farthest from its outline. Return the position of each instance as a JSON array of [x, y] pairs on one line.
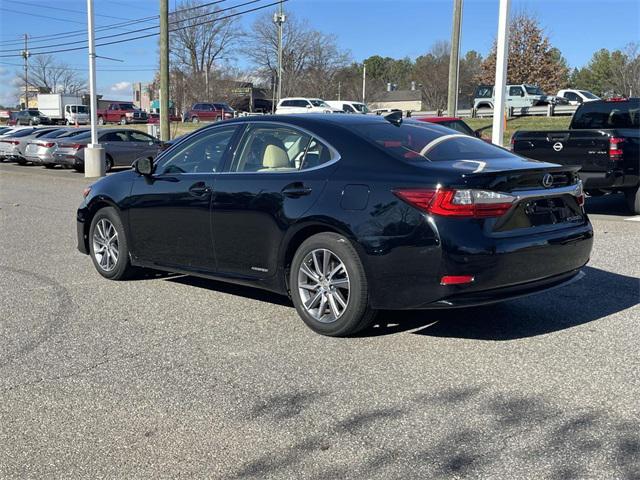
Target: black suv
[[31, 117]]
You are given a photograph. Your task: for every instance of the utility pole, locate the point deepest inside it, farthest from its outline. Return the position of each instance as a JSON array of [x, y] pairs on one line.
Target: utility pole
[[279, 19], [26, 55], [164, 70], [94, 165], [339, 86], [502, 60], [364, 82], [454, 59]]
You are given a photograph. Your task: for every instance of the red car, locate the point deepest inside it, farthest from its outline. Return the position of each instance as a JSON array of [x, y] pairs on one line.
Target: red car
[[208, 112], [453, 123]]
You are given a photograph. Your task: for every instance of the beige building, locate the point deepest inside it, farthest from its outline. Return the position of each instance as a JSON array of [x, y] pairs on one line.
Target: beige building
[[141, 97], [405, 100]]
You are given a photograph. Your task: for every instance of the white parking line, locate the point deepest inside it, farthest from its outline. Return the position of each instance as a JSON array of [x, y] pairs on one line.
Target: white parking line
[[633, 219]]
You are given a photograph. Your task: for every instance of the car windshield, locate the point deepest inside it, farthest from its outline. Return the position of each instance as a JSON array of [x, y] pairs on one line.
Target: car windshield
[[361, 107], [531, 90], [78, 109], [223, 106], [411, 142], [318, 103], [589, 95]]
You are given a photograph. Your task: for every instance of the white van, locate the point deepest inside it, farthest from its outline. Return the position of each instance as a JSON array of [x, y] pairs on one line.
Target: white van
[[349, 107], [304, 105], [576, 97]]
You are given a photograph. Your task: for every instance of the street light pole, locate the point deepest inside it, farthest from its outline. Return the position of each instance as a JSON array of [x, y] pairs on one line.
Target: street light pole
[[502, 58], [454, 59], [164, 71], [364, 82], [279, 19], [94, 165]]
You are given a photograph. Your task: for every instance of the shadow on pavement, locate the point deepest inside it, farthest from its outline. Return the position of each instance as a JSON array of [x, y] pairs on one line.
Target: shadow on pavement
[[232, 289], [612, 204], [597, 295]]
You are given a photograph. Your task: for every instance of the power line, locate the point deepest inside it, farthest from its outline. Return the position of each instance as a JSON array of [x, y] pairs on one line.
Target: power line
[[60, 9], [114, 35], [74, 33], [157, 33]]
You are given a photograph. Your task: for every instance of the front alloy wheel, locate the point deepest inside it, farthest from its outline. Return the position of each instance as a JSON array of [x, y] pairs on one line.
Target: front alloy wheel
[[105, 245], [108, 245], [323, 285]]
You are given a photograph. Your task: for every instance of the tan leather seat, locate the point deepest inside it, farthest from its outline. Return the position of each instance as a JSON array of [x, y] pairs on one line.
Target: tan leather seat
[[275, 158]]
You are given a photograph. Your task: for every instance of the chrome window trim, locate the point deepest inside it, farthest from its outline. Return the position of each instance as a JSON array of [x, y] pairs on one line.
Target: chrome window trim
[[335, 155]]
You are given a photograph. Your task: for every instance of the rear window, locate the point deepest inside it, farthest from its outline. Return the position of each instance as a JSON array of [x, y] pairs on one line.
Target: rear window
[[607, 115], [459, 126], [465, 148], [409, 142], [22, 133], [484, 91]]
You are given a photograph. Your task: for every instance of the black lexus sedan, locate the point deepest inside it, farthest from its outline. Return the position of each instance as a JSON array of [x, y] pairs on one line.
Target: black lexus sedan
[[346, 214]]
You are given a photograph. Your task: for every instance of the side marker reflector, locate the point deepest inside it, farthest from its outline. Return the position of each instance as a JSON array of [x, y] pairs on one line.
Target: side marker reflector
[[456, 279]]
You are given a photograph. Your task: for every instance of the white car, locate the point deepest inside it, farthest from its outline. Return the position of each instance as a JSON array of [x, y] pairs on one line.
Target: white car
[[349, 107], [576, 97], [304, 105]]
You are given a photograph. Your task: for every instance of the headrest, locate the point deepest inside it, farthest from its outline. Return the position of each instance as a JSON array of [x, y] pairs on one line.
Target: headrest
[[275, 157]]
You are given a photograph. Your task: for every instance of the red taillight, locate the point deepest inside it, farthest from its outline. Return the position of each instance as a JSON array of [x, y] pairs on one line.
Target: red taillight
[[75, 146], [616, 99], [615, 148], [48, 144], [456, 279], [458, 203]]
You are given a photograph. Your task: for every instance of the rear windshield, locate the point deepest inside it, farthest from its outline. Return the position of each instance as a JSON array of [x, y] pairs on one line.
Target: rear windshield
[[458, 125], [607, 115], [408, 141], [589, 95], [22, 133]]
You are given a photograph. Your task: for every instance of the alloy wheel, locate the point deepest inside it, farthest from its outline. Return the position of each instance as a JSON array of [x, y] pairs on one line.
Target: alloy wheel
[[323, 285], [105, 245]]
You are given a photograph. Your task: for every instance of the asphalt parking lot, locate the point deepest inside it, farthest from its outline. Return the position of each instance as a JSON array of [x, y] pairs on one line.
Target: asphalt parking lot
[[174, 376]]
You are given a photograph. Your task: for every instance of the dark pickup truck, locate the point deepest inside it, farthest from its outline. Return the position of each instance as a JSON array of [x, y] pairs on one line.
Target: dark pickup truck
[[603, 139]]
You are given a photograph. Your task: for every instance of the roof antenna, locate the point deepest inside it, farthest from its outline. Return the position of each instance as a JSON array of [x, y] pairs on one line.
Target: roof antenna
[[394, 117]]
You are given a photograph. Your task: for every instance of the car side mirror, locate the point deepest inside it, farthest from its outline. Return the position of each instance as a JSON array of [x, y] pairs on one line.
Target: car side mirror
[[478, 133], [143, 166], [309, 106]]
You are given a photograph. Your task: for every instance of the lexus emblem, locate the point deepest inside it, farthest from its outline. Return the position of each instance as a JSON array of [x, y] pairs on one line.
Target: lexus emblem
[[558, 146], [547, 180]]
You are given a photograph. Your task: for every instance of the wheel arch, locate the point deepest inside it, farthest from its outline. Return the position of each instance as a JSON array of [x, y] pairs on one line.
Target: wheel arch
[[302, 232], [96, 204]]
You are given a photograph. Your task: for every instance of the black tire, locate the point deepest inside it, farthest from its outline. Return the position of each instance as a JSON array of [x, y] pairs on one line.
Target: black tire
[[633, 200], [49, 165], [357, 314], [21, 161], [79, 169], [108, 163], [123, 120], [122, 268], [195, 120], [100, 120]]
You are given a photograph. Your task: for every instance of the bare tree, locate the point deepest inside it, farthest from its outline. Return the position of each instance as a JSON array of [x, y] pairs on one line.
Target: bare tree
[[201, 37], [57, 77], [310, 59]]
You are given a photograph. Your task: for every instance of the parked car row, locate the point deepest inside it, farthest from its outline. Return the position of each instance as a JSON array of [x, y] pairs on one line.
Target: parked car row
[[51, 146], [525, 95]]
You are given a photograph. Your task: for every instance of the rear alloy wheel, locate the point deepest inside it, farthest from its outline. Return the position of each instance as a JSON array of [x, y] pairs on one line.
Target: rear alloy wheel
[[633, 200], [108, 245], [100, 121], [329, 286], [123, 120], [195, 120]]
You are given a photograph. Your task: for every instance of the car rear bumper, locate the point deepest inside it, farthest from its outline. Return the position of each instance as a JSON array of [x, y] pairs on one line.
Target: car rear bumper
[[410, 277], [68, 160]]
